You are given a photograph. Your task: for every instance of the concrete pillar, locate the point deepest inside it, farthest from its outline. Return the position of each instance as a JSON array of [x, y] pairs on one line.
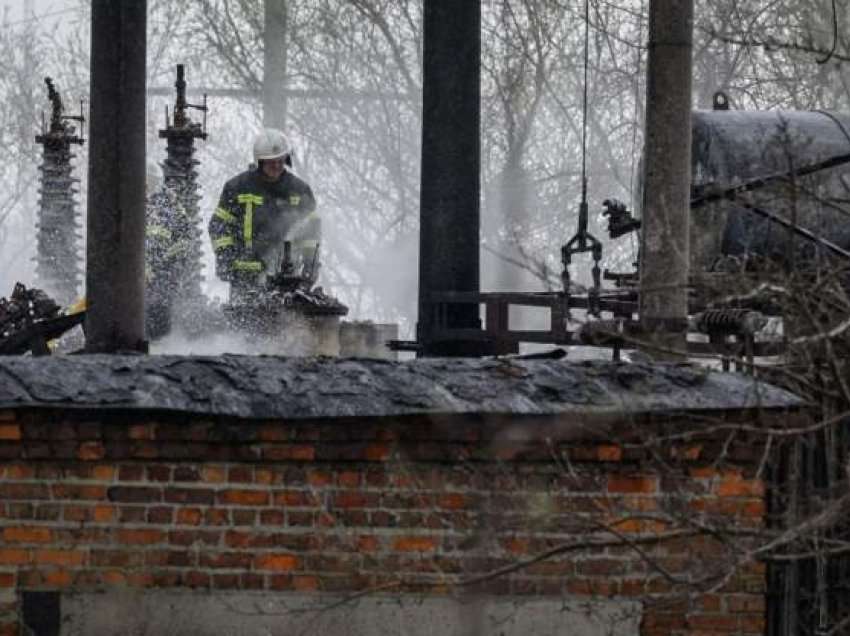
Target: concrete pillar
[[116, 196], [665, 244], [449, 214], [274, 64]]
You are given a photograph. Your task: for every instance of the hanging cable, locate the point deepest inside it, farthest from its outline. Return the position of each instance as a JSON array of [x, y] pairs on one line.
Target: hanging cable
[[584, 104], [583, 241]]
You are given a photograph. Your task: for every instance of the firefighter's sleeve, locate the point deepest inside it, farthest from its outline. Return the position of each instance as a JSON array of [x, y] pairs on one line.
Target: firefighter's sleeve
[[307, 235], [224, 229]]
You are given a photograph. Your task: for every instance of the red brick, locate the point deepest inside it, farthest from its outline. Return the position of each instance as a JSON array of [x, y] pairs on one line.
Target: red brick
[[9, 556], [230, 560], [76, 491], [187, 473], [115, 558], [23, 534], [9, 491], [276, 562], [8, 579], [131, 514], [263, 476], [367, 543], [103, 514], [58, 578], [354, 499], [244, 497], [743, 603], [714, 622], [158, 473], [132, 472], [142, 432], [237, 539], [303, 452], [160, 514], [19, 471], [189, 516], [240, 474], [10, 432], [225, 581], [609, 453], [274, 433], [140, 579], [348, 479], [189, 537], [305, 583], [214, 474], [629, 526], [203, 496], [245, 517], [752, 623], [104, 472], [733, 485], [632, 587], [636, 484], [291, 498], [217, 517], [113, 577], [139, 536], [272, 517], [415, 544], [280, 582], [64, 558], [251, 581], [319, 478], [134, 494], [196, 579], [378, 452], [452, 501], [285, 452], [77, 514], [91, 451]]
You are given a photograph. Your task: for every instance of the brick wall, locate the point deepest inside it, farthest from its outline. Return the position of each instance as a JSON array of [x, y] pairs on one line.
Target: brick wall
[[662, 511]]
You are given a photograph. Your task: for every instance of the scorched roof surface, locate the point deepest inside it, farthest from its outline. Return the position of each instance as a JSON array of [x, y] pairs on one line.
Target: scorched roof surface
[[272, 387]]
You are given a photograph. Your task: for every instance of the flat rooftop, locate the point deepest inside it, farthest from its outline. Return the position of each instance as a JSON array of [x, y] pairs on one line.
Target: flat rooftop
[[261, 387]]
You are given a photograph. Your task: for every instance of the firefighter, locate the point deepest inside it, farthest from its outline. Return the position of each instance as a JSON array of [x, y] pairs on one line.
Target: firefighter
[[258, 212]]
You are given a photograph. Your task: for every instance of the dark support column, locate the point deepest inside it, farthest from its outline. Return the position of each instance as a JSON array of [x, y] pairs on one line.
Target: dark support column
[[449, 215], [274, 64], [665, 254], [116, 196]]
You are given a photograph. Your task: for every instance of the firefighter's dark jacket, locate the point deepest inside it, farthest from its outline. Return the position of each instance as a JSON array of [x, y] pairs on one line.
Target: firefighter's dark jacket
[[255, 217]]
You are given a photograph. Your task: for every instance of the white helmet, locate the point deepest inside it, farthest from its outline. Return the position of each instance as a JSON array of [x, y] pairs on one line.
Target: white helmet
[[271, 144]]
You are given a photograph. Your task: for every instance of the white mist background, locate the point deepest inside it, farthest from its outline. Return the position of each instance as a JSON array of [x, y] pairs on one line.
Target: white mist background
[[361, 155]]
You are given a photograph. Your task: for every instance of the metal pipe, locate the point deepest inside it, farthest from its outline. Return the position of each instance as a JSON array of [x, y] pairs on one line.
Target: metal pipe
[[449, 209], [275, 58], [116, 195], [665, 251]]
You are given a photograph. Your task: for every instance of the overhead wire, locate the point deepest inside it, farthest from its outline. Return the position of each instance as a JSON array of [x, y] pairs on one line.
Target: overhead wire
[[584, 103]]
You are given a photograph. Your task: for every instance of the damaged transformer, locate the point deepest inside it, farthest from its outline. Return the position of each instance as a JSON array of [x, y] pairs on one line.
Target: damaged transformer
[[287, 314], [59, 230], [173, 242]]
